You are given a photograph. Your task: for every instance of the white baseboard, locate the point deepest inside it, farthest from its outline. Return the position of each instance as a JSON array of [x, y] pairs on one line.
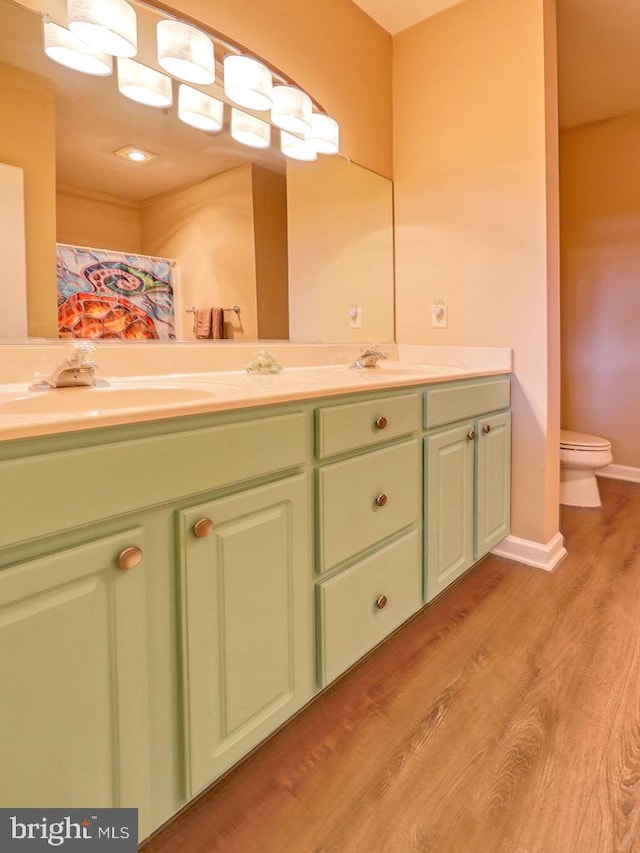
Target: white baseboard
[[620, 472], [532, 553]]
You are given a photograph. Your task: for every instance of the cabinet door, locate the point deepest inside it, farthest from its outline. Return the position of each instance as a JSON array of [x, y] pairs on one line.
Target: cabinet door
[[247, 615], [449, 473], [493, 481], [74, 709]]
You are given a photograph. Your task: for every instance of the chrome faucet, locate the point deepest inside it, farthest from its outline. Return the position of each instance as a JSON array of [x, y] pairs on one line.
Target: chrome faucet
[[369, 358], [76, 370]]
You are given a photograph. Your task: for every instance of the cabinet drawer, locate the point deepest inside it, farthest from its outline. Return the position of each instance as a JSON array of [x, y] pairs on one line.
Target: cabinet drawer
[[47, 493], [458, 401], [352, 513], [355, 425], [351, 618]]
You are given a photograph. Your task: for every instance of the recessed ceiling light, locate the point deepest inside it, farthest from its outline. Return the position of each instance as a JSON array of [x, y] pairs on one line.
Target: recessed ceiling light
[[136, 155]]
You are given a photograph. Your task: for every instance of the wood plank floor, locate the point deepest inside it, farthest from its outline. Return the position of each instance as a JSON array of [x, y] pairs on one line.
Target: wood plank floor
[[504, 718]]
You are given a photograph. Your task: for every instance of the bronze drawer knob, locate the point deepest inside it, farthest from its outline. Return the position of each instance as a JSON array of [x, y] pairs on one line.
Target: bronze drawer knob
[[381, 422], [129, 558], [202, 527], [471, 435], [486, 428], [381, 500], [381, 602]]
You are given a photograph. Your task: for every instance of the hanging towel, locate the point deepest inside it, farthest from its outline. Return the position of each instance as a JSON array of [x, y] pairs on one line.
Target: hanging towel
[[202, 318], [217, 323]]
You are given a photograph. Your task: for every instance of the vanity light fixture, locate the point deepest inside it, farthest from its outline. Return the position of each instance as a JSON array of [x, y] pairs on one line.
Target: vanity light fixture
[[292, 109], [135, 155], [101, 29], [199, 110], [296, 147], [247, 82], [143, 84], [107, 25], [250, 130], [185, 52], [63, 47], [324, 134]]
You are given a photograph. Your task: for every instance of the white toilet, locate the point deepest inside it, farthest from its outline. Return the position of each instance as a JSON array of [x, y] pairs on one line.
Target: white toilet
[[580, 457]]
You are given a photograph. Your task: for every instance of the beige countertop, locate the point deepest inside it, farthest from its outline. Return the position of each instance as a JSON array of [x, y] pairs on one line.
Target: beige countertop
[[25, 413]]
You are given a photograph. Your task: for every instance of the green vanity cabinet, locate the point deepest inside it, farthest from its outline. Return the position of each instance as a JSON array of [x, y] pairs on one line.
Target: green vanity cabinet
[[467, 477], [73, 665], [173, 591], [247, 621]]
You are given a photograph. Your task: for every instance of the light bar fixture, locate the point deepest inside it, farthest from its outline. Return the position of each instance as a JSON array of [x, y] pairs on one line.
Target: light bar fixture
[[250, 130], [107, 25], [63, 47], [292, 109], [247, 82], [185, 52], [199, 110], [101, 29], [144, 85]]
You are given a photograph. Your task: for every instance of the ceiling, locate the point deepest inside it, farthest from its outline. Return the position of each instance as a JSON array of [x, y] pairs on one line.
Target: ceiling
[[397, 15], [598, 51]]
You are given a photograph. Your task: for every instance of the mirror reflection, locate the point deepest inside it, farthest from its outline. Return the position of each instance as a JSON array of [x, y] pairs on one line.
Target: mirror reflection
[[239, 226]]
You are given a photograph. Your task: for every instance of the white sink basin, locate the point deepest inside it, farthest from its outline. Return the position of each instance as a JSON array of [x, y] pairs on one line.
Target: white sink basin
[[62, 401]]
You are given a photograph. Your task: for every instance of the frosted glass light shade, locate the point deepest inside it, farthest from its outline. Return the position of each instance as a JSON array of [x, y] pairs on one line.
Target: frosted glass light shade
[[185, 52], [247, 82], [107, 25], [199, 110], [250, 130], [292, 109], [324, 134], [63, 47], [297, 148], [144, 85]]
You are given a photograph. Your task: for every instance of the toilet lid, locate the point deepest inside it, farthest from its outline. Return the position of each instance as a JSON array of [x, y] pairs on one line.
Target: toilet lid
[[582, 441]]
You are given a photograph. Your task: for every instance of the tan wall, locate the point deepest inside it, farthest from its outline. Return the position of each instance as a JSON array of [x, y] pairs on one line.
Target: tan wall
[[27, 140], [600, 239], [272, 270], [102, 222], [473, 163], [332, 49], [340, 251], [208, 229]]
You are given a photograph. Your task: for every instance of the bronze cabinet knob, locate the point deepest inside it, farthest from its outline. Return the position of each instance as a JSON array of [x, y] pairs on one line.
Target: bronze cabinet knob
[[202, 527], [381, 422], [381, 500], [381, 602], [471, 435], [486, 428], [129, 558]]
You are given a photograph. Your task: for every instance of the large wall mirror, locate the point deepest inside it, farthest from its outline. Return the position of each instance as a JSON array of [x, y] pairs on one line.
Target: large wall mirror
[[305, 250]]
